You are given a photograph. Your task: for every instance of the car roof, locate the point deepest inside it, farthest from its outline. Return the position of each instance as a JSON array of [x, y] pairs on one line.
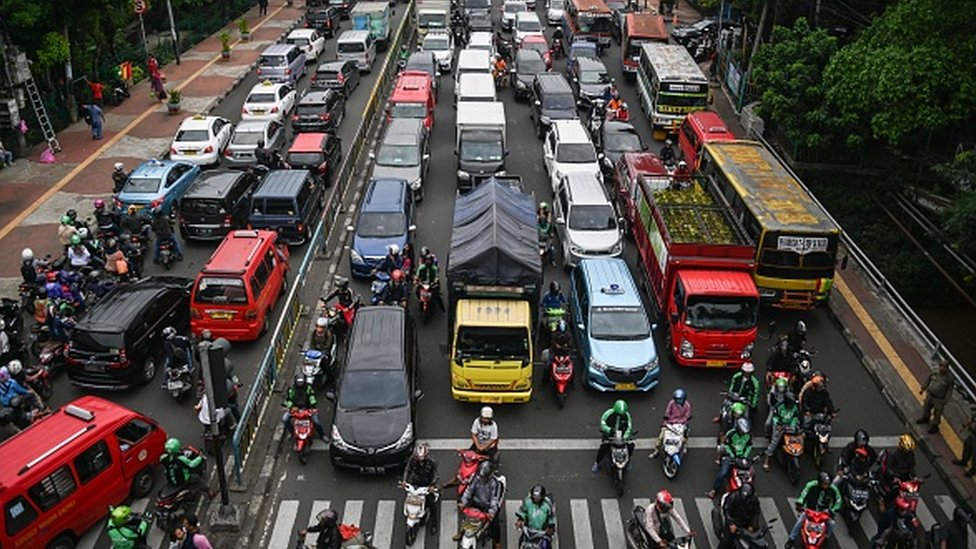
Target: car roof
[[523, 52], [571, 131], [317, 96], [266, 86], [334, 65], [698, 282], [377, 339], [611, 283], [120, 307], [236, 252], [470, 56], [277, 49], [252, 126], [302, 33], [309, 142], [616, 126], [197, 122], [526, 14], [155, 168], [440, 33], [644, 163], [384, 195], [418, 56], [213, 184], [586, 189], [549, 80], [281, 183], [411, 127], [590, 63], [353, 35], [481, 81]]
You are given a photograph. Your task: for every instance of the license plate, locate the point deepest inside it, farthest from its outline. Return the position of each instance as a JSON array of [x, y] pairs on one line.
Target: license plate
[[190, 153], [373, 470], [259, 111], [222, 315], [174, 385], [716, 363], [204, 231], [625, 386], [94, 367], [491, 400]]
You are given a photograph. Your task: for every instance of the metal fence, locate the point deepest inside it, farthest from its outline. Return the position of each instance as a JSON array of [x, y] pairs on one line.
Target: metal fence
[[324, 236], [932, 341]]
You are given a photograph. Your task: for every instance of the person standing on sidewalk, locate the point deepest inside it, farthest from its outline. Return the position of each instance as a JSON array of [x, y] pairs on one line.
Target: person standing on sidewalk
[[262, 8], [96, 118], [97, 91], [968, 447], [194, 539], [937, 390]]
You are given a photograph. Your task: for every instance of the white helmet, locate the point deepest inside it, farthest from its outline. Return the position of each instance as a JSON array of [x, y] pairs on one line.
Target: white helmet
[[487, 412], [15, 367], [394, 249], [27, 254], [321, 322], [83, 232], [118, 166]]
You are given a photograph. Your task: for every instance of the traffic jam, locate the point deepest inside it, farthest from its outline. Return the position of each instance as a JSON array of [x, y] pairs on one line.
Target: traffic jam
[[688, 230]]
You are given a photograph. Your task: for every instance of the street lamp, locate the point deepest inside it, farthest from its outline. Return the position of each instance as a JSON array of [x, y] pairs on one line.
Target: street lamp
[[172, 29]]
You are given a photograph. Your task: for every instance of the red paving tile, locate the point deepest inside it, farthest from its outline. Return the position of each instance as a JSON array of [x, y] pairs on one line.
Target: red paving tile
[[15, 198], [209, 87], [97, 177], [267, 33], [41, 238], [158, 124], [75, 146]]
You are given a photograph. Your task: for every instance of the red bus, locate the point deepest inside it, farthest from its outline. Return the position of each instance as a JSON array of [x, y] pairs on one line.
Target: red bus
[[697, 129], [639, 29], [588, 20]]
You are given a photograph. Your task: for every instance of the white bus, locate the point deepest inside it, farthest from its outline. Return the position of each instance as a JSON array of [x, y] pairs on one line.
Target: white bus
[[669, 85]]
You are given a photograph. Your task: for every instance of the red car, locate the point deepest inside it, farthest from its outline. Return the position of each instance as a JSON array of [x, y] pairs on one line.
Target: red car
[[539, 43]]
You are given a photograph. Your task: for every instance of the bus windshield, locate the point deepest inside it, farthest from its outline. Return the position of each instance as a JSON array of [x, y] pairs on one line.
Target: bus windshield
[[593, 23], [682, 99]]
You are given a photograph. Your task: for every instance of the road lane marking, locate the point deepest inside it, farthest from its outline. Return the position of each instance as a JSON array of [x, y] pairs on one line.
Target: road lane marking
[[383, 527], [318, 506], [777, 529], [868, 525], [284, 522], [353, 513], [511, 534], [70, 176], [612, 523], [449, 524], [679, 506], [951, 437], [705, 506], [582, 533], [924, 515]]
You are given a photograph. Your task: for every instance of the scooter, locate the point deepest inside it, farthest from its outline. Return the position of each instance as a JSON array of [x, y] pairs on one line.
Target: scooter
[[619, 115], [317, 366], [547, 251], [26, 410], [39, 379], [790, 452], [674, 448], [467, 468], [378, 287], [819, 437], [415, 509], [856, 493], [530, 538], [743, 538], [742, 473], [50, 355], [167, 255], [179, 374], [598, 115], [301, 432], [560, 373], [424, 295], [474, 522], [619, 459], [172, 501], [813, 533], [362, 540], [638, 538]]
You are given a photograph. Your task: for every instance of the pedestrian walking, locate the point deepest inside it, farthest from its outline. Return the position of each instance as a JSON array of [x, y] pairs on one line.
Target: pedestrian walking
[[193, 538], [937, 390], [262, 8], [968, 447]]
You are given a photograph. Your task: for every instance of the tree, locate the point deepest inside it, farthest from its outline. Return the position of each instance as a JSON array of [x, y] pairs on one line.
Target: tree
[[913, 71], [789, 73], [959, 222]]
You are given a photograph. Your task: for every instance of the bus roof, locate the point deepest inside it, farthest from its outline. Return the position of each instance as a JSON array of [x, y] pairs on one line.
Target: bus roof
[[769, 190], [672, 63], [591, 6], [646, 26]]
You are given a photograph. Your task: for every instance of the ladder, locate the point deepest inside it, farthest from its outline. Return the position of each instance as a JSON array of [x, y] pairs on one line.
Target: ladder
[[42, 119]]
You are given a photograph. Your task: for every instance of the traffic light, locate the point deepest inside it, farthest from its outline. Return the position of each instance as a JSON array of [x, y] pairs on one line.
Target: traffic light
[[9, 113]]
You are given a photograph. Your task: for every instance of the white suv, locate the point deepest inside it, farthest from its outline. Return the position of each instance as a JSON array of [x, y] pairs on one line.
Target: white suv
[[586, 222], [568, 149]]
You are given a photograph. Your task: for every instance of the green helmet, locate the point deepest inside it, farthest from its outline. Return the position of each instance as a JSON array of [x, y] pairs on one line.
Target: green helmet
[[173, 446], [620, 407], [782, 384], [738, 409], [75, 240], [543, 206], [120, 515], [65, 220]]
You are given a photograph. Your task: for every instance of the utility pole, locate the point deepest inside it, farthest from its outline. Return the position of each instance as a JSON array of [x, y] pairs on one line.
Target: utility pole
[[172, 29], [69, 77], [212, 357]]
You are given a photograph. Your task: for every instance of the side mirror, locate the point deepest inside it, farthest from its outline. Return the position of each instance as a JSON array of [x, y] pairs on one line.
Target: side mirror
[[654, 326], [537, 103], [580, 326], [601, 156], [427, 156], [330, 396], [643, 146], [674, 318], [372, 155], [418, 394], [560, 221]]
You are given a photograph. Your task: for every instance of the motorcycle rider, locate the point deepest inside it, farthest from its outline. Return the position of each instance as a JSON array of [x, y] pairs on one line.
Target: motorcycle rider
[[678, 410], [658, 520], [499, 68], [888, 522], [614, 103], [954, 534], [786, 414], [171, 343], [125, 529], [421, 470], [820, 495], [321, 337], [164, 233], [327, 528], [780, 389], [116, 262], [797, 339], [18, 374], [815, 399], [119, 177], [107, 220], [737, 444], [263, 156], [484, 433], [484, 493], [28, 266], [545, 228], [667, 152], [537, 512], [301, 396], [134, 222], [682, 175], [615, 418], [897, 465], [857, 457], [745, 384], [78, 254], [182, 470], [66, 230], [392, 261], [740, 510], [10, 387], [427, 274], [341, 291], [396, 292], [781, 359]]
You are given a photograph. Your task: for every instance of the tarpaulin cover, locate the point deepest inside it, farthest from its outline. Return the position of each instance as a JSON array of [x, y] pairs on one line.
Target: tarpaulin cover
[[494, 240]]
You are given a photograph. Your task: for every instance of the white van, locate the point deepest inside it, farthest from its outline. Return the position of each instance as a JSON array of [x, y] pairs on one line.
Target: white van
[[475, 86], [555, 11], [472, 61], [358, 46]]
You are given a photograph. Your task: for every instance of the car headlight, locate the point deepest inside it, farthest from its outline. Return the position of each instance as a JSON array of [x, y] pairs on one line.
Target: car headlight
[[406, 438], [687, 349], [597, 365], [575, 250], [415, 184], [355, 257], [747, 351], [337, 439], [461, 382], [463, 174], [545, 120], [652, 365], [500, 173]]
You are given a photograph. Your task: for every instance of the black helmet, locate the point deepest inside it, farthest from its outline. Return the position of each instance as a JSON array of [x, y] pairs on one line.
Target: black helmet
[[823, 477], [342, 282], [554, 287], [746, 490], [861, 437], [328, 518], [801, 327], [538, 493], [260, 142], [485, 469], [961, 516]]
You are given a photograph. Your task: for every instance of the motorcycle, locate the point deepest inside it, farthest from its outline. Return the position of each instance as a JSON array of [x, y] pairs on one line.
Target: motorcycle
[[378, 287], [742, 473], [474, 522], [26, 410], [317, 366], [39, 380], [172, 501], [95, 287], [674, 448], [638, 538], [560, 373], [424, 295], [620, 115], [27, 293], [301, 432], [50, 355], [179, 374], [598, 115], [530, 538], [856, 493], [557, 50], [619, 459], [790, 451], [819, 437], [467, 468], [119, 91], [415, 509], [743, 538], [813, 533], [167, 255]]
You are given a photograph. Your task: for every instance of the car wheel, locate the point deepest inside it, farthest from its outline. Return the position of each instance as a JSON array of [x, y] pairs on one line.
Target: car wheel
[[142, 483], [266, 324], [64, 541], [149, 369]]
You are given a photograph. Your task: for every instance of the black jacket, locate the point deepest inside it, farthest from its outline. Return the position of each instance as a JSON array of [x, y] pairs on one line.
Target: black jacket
[[743, 512], [817, 402], [900, 464], [329, 537], [421, 473]]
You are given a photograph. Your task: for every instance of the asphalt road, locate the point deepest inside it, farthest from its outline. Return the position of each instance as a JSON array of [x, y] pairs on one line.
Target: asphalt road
[[551, 433]]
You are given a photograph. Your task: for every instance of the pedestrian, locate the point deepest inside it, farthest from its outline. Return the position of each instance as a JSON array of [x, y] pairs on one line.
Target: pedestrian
[[6, 156], [968, 446], [937, 390], [262, 8], [193, 538], [97, 119], [97, 91]]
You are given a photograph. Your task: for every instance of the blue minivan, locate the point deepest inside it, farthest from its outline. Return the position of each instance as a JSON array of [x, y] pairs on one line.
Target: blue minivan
[[614, 335], [385, 217]]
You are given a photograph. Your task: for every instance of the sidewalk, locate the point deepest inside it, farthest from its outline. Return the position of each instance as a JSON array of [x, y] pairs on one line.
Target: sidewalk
[[34, 196]]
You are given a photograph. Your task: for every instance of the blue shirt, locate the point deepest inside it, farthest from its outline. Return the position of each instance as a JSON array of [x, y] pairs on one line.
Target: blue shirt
[[550, 301], [10, 389]]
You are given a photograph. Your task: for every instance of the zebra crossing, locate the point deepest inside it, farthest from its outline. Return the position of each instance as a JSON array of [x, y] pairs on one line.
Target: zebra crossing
[[582, 523]]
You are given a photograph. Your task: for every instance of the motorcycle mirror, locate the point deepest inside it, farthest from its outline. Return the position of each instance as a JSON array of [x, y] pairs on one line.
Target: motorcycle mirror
[[372, 155], [654, 326], [350, 228], [330, 395], [580, 326], [418, 394], [560, 221]]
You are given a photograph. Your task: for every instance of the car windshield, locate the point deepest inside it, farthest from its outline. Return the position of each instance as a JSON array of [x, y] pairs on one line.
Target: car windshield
[[372, 390], [278, 206], [311, 109], [429, 20], [481, 151], [477, 4], [514, 7], [305, 158], [246, 138], [598, 76], [327, 74], [398, 155], [436, 43], [559, 102], [192, 135], [297, 41], [622, 141], [590, 23], [575, 153], [592, 218], [422, 64], [533, 45], [381, 224], [493, 343], [619, 323], [98, 342], [201, 207], [531, 65], [529, 24], [351, 47], [220, 290], [261, 97], [721, 313], [272, 61], [142, 185]]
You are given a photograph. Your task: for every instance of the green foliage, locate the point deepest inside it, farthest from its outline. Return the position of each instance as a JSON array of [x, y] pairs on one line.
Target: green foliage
[[789, 73], [54, 51], [243, 26], [224, 41], [175, 96], [959, 222], [912, 71]]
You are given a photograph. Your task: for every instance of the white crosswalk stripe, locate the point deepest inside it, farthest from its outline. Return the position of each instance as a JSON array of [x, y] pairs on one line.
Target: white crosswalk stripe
[[705, 506], [511, 535], [924, 515], [449, 523], [612, 523], [779, 529], [284, 524], [582, 533], [948, 507], [353, 513], [680, 508], [383, 526]]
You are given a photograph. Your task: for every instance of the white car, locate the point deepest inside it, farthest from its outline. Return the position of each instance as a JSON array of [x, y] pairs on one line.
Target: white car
[[482, 41], [555, 11], [526, 23], [568, 149], [441, 44], [244, 140], [509, 9], [309, 41], [269, 101], [201, 140]]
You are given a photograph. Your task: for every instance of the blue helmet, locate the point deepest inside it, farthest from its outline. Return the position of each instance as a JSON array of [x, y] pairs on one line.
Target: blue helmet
[[680, 395]]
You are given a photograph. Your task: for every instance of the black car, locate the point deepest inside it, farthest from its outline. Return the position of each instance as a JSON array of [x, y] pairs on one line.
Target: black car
[[590, 80], [684, 34], [479, 22], [552, 99], [615, 139], [319, 111], [215, 204], [118, 342], [528, 63], [375, 402], [336, 75], [323, 19]]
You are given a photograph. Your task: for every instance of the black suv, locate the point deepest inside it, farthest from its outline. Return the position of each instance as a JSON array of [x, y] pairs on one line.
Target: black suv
[[552, 99], [319, 111], [336, 75], [325, 20], [118, 343], [216, 203]]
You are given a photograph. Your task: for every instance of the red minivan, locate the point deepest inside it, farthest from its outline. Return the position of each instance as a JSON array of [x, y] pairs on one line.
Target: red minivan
[[699, 128], [413, 97], [235, 293], [59, 476]]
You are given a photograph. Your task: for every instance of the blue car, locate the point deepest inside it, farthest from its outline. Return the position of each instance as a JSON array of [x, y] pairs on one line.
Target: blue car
[[616, 340], [156, 184], [385, 217]]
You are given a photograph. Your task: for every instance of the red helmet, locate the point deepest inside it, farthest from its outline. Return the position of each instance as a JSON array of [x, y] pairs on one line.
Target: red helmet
[[664, 501], [99, 204], [396, 275]]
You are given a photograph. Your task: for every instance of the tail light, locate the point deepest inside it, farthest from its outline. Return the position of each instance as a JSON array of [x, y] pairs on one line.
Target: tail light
[[228, 153], [243, 110], [301, 228], [118, 203], [323, 166], [227, 220], [172, 150], [274, 109], [340, 79], [195, 314], [249, 227], [156, 202], [308, 24], [294, 118], [259, 71], [328, 23], [288, 71], [315, 78], [251, 314], [208, 150], [179, 218], [325, 117]]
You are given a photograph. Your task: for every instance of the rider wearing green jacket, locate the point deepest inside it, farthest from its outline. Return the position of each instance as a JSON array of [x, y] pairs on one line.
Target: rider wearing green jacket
[[181, 468], [125, 530], [616, 418], [785, 414], [745, 384], [537, 512], [737, 444]]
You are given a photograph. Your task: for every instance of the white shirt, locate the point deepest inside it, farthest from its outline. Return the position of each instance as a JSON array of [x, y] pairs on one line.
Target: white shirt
[[79, 258], [484, 433], [204, 414]]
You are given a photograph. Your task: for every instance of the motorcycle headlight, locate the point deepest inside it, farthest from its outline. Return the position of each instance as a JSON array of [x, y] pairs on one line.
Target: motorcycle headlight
[[687, 349], [463, 174], [337, 439], [355, 257], [747, 351], [406, 438], [415, 184], [597, 365]]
